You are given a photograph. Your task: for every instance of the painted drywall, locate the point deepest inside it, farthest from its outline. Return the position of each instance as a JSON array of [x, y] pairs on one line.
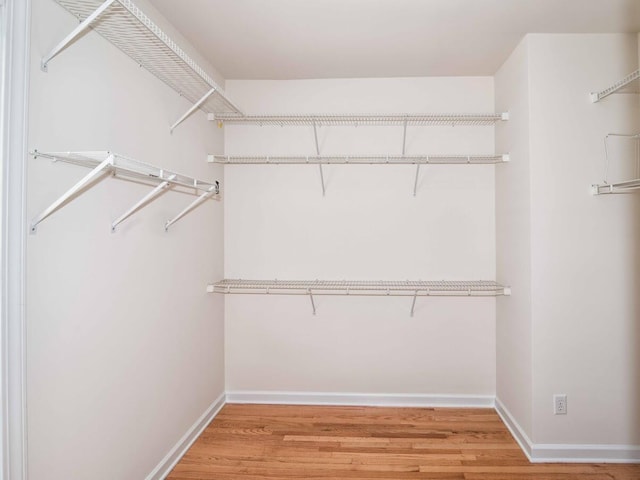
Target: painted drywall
[[585, 260], [513, 240], [368, 226], [125, 347]]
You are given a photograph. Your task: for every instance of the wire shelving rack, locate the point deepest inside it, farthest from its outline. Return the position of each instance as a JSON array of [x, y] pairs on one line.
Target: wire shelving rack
[[629, 84], [359, 159], [320, 120], [625, 186], [408, 288], [105, 162], [123, 24]]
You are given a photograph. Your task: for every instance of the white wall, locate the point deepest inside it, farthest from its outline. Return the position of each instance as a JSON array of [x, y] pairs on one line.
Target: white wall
[[576, 330], [125, 348], [369, 226], [513, 240], [585, 257]]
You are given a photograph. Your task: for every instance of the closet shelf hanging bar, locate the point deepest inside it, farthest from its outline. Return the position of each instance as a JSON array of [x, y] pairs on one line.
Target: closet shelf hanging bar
[[359, 159], [104, 162], [408, 288], [629, 84], [444, 119], [415, 289], [123, 24]]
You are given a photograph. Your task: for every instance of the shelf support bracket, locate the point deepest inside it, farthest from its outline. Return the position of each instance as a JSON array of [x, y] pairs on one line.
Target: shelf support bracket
[[192, 109], [315, 136], [415, 182], [404, 138], [213, 190], [73, 191], [74, 34], [413, 304], [144, 200], [313, 305]]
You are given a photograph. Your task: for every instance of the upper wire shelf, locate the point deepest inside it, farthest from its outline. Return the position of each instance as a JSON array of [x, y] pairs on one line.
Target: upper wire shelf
[[363, 287], [360, 159], [122, 23], [471, 119], [102, 162], [629, 84], [408, 288]]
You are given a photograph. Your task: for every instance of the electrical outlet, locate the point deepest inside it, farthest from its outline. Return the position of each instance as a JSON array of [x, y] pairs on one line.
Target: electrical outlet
[[560, 404]]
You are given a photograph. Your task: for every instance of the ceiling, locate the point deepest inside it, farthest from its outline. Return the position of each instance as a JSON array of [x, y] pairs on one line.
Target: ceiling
[[290, 39]]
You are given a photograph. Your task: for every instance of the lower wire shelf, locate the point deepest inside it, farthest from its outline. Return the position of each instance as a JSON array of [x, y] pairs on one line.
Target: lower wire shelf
[[408, 288]]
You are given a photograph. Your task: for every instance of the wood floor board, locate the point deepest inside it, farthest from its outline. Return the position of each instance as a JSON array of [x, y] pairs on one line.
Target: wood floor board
[[280, 442]]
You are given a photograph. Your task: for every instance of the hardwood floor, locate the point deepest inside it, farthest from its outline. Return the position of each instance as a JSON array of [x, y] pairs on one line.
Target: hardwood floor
[[290, 442]]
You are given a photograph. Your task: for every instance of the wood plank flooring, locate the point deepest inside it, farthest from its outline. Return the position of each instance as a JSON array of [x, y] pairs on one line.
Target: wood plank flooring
[[279, 442]]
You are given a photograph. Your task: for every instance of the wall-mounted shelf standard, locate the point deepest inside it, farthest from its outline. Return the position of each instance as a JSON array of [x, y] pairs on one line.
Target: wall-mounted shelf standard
[[128, 28], [451, 119], [121, 166], [629, 84], [479, 288], [360, 159]]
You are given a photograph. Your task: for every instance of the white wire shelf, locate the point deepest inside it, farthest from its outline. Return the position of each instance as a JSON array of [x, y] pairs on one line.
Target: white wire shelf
[[408, 288], [629, 84], [122, 23], [628, 186], [366, 120], [104, 162], [359, 159], [624, 186], [320, 160]]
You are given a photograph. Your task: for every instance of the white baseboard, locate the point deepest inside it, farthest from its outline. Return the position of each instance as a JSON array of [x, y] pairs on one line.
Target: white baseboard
[[177, 452], [361, 399], [516, 431], [566, 453]]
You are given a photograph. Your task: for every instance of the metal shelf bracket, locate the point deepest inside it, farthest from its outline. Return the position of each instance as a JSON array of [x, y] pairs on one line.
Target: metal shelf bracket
[[313, 304], [72, 192], [413, 304], [404, 137], [315, 136], [142, 202], [192, 109], [213, 190], [415, 182], [86, 23]]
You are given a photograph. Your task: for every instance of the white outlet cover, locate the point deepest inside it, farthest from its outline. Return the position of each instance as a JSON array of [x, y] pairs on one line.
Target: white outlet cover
[[560, 404]]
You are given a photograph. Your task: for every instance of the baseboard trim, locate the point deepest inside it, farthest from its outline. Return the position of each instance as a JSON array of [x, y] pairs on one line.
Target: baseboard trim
[[585, 453], [361, 399], [566, 453], [516, 431], [177, 452]]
